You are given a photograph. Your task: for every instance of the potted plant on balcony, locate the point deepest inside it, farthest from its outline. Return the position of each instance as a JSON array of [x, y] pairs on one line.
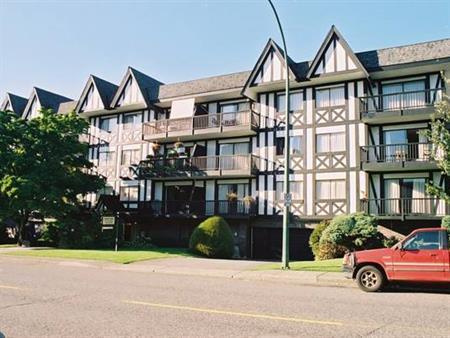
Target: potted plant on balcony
[[179, 147], [156, 147], [232, 198], [249, 201]]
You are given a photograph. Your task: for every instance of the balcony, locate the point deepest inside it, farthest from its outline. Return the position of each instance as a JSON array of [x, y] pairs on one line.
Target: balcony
[[202, 127], [197, 167], [193, 209], [405, 208], [399, 107], [395, 157]]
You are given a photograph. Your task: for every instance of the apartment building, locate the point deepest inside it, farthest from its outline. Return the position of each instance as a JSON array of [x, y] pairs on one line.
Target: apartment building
[[174, 154]]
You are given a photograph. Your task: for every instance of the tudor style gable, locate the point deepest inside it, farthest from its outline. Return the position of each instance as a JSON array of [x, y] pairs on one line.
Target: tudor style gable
[[41, 98], [136, 88], [334, 57], [97, 95], [14, 103], [269, 69], [270, 66]]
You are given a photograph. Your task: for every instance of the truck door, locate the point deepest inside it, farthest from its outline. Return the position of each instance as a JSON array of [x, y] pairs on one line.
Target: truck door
[[421, 258]]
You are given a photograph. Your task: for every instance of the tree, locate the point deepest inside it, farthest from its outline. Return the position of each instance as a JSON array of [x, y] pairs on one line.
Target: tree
[[439, 136], [44, 167]]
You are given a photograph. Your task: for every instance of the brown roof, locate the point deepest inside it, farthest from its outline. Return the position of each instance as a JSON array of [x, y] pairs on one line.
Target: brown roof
[[371, 60]]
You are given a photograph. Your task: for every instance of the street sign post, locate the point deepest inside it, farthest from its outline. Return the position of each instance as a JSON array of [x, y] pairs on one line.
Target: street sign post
[[108, 223]]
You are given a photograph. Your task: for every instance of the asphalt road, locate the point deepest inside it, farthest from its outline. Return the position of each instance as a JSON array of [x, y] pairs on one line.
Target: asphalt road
[[47, 299]]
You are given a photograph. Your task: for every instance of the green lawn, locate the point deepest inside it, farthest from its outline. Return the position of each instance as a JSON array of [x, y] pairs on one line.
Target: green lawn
[[3, 246], [124, 256], [330, 265]]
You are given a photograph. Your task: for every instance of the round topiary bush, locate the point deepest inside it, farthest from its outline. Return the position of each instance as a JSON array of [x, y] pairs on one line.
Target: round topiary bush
[[314, 239], [212, 238]]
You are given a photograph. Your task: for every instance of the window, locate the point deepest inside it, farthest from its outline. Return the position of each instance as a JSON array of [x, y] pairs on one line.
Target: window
[[295, 102], [234, 107], [330, 97], [240, 189], [295, 145], [108, 124], [295, 188], [129, 193], [329, 143], [106, 190], [131, 120], [403, 95], [330, 190], [234, 148], [427, 240], [130, 156], [106, 157]]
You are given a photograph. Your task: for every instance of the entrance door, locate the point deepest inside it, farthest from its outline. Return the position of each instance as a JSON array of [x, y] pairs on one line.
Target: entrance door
[[421, 258]]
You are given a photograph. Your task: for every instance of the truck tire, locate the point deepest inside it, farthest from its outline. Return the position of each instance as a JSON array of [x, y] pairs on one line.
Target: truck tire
[[370, 279]]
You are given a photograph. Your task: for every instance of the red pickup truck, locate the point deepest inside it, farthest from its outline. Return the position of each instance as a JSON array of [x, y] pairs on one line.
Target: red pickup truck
[[423, 256]]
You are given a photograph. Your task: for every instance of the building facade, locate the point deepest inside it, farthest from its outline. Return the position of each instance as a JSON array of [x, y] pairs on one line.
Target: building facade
[[174, 154]]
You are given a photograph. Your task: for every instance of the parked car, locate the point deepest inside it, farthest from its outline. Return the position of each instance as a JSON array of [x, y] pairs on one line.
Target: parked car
[[423, 256]]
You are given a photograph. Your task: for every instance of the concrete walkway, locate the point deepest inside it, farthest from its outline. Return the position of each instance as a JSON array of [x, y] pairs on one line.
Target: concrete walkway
[[193, 266]]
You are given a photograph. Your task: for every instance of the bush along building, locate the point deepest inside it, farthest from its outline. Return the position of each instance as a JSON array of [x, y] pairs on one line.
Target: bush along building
[[174, 154]]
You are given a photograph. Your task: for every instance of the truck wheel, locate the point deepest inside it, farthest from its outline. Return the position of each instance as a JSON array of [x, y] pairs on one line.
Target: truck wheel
[[370, 279]]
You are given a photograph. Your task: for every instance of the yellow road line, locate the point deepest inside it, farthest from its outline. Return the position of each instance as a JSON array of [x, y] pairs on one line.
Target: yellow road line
[[10, 287], [233, 313]]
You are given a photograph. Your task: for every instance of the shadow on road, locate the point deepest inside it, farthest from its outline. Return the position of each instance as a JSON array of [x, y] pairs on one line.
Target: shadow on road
[[418, 288]]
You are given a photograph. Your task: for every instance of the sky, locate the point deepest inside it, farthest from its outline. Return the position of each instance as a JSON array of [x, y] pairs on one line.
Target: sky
[[56, 44]]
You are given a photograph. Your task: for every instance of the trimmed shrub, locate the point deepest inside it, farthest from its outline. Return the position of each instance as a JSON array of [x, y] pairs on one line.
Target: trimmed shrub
[[355, 231], [212, 238], [329, 250], [390, 242], [49, 234], [314, 239], [142, 243], [83, 230]]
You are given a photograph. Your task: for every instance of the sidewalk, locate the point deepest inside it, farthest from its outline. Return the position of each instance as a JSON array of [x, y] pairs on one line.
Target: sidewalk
[[236, 269], [194, 266], [218, 268]]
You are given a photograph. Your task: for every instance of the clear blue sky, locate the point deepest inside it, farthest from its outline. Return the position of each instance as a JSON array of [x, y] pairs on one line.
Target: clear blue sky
[[56, 44]]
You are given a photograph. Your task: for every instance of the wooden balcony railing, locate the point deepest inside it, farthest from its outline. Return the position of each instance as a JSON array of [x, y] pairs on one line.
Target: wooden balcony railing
[[194, 208], [378, 104], [247, 164], [427, 206], [220, 121], [391, 153]]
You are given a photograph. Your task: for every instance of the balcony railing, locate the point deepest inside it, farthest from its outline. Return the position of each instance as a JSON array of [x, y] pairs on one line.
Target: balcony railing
[[394, 153], [194, 208], [400, 207], [217, 122], [221, 165], [375, 105]]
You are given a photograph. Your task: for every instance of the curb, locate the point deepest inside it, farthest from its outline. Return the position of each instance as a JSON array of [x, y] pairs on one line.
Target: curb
[[305, 278]]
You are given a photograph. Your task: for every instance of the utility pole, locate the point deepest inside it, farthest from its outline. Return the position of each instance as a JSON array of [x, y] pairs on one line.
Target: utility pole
[[287, 159]]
